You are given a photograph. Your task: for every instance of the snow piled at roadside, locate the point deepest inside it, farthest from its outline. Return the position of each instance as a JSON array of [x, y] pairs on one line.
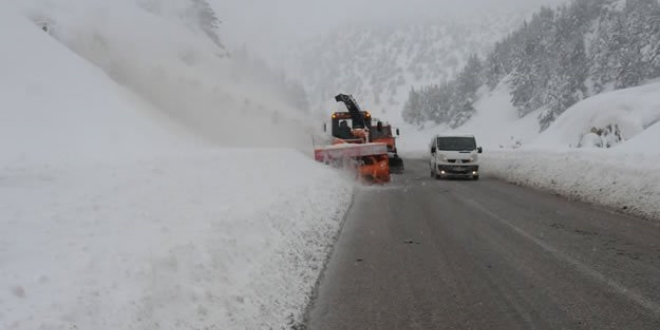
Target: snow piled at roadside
[[629, 112], [629, 183], [646, 142], [624, 177], [186, 242]]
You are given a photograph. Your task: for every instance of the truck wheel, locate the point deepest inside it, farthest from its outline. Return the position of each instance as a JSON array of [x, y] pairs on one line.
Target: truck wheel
[[475, 177]]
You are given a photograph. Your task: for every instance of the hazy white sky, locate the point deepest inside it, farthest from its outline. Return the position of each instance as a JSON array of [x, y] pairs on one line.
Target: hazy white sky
[[267, 21]]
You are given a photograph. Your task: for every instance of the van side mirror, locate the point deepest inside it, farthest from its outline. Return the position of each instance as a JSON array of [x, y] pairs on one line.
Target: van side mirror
[[379, 126], [325, 127], [397, 132], [433, 150], [480, 150]]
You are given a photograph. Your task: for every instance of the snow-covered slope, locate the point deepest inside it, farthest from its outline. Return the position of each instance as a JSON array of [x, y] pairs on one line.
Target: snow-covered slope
[[379, 64], [495, 125], [113, 215], [156, 49], [56, 106]]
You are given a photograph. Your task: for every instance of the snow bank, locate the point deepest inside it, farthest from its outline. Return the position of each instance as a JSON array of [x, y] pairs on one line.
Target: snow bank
[[625, 176], [646, 142], [622, 115], [186, 242], [629, 182]]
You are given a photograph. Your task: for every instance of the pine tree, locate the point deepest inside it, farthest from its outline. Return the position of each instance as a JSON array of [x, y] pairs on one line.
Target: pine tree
[[640, 46], [466, 85], [412, 108], [207, 19], [602, 51]]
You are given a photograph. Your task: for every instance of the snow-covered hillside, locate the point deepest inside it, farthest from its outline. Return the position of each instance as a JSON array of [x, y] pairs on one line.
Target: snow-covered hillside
[[495, 125], [57, 107], [379, 64], [157, 49], [115, 212], [558, 58]]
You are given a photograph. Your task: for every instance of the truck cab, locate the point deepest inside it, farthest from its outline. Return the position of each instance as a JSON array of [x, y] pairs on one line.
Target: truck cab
[[454, 156], [342, 125]]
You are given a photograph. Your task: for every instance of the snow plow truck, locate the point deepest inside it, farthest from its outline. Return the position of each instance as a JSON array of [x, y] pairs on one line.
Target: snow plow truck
[[353, 146]]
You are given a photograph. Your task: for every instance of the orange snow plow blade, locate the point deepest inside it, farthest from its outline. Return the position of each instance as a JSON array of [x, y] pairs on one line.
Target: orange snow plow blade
[[369, 160]]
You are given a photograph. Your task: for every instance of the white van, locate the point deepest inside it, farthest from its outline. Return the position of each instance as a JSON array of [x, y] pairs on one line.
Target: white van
[[454, 155]]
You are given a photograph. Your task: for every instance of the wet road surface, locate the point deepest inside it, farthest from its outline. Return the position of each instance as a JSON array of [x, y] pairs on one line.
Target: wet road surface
[[457, 254]]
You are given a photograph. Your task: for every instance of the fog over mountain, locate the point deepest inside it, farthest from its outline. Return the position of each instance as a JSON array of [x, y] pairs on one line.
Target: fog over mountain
[[263, 24]]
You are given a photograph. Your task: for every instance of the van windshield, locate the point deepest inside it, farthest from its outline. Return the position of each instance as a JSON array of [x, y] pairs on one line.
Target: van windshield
[[457, 143]]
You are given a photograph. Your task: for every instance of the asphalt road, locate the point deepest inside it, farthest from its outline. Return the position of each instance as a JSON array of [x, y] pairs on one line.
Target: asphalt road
[[427, 254]]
